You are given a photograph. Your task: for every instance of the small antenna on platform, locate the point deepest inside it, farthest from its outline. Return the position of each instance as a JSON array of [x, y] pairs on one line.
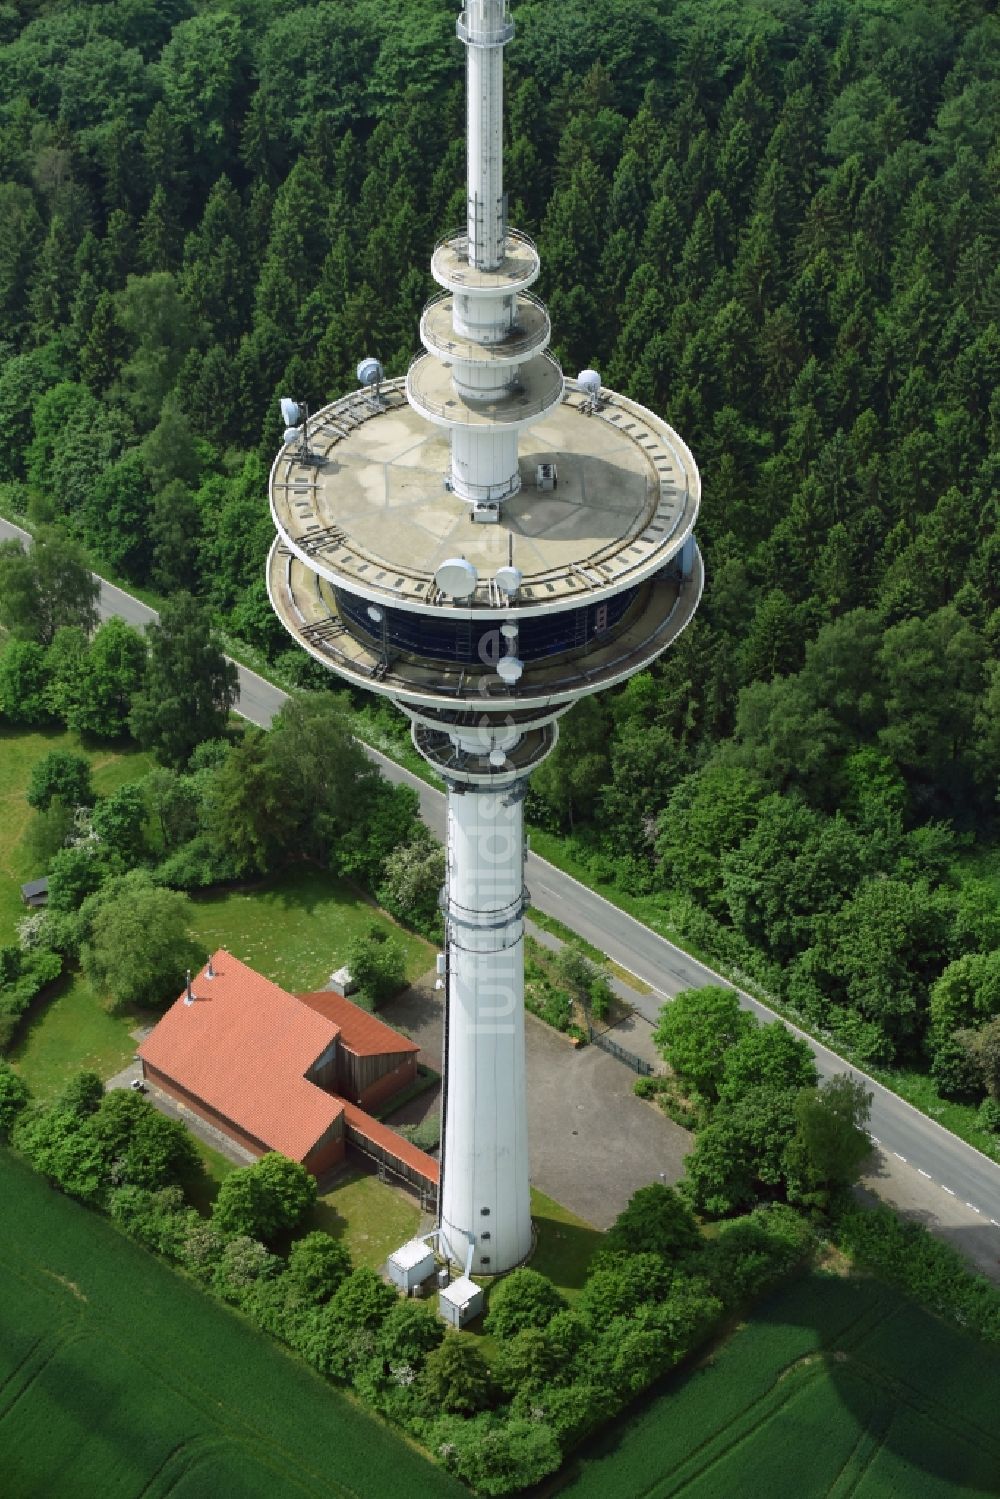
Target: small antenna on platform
[[589, 382], [371, 374], [291, 414]]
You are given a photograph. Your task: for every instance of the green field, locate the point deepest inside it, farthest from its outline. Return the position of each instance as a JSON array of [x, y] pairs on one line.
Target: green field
[[118, 1378], [836, 1389]]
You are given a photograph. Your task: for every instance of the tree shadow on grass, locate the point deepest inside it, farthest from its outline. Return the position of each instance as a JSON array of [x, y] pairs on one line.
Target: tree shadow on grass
[[564, 1250]]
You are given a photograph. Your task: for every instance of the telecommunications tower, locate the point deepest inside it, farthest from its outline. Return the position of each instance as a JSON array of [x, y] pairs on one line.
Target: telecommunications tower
[[485, 543]]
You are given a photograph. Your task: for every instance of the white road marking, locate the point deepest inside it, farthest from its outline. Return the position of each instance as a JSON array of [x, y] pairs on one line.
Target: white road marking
[[899, 1157], [995, 1223], [948, 1190], [925, 1173], [875, 1139], [972, 1205]]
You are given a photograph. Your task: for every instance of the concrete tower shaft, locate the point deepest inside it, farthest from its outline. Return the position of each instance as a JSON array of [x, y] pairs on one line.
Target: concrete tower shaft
[[584, 572], [485, 27], [485, 1200]]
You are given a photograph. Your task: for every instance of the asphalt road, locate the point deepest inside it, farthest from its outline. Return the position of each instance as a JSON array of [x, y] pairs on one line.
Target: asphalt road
[[920, 1152]]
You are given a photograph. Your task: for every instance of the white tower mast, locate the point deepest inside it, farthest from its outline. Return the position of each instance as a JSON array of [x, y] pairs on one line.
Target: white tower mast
[[384, 570]]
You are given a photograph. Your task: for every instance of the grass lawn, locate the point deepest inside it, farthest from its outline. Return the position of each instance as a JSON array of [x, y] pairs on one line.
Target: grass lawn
[[217, 1167], [118, 1377], [67, 1030], [565, 1244], [371, 1217], [836, 1387], [295, 928], [19, 751]]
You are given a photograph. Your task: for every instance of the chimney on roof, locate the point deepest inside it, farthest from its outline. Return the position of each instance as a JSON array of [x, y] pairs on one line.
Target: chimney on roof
[[210, 971], [189, 996]]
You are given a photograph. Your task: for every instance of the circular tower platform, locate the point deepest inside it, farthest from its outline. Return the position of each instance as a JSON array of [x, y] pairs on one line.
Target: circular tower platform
[[609, 571]]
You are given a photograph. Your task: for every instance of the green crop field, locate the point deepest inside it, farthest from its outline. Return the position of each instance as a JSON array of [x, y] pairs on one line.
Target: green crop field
[[836, 1387], [118, 1378]]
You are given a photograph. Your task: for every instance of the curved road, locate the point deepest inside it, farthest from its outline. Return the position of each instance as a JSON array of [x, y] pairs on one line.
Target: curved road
[[924, 1168]]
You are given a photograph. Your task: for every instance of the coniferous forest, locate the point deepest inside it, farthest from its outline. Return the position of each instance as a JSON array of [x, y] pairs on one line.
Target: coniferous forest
[[777, 222]]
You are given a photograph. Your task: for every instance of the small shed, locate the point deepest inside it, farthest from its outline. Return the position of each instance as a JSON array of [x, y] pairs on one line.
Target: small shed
[[341, 983], [35, 893], [410, 1265], [460, 1302]]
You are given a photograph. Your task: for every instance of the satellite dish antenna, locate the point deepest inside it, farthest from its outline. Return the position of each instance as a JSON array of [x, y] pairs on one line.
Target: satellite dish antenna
[[508, 630], [589, 382], [370, 374], [498, 757], [457, 577], [510, 670], [508, 580], [375, 614], [290, 413], [292, 434]]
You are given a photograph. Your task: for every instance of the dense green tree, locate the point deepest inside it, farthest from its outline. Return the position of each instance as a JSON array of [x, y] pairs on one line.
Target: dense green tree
[[173, 804], [522, 1299], [63, 774], [265, 1199], [377, 965], [24, 683], [831, 1142], [189, 687], [138, 943], [45, 588], [620, 1284], [656, 1221], [882, 949], [695, 1031], [317, 1264], [74, 873], [140, 1146], [569, 779], [411, 1331], [14, 1097], [966, 994], [456, 1378], [766, 1056], [112, 674], [119, 823], [412, 879], [793, 868]]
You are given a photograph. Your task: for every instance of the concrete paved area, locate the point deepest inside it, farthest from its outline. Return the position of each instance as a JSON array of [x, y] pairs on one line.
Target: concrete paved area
[[592, 1141]]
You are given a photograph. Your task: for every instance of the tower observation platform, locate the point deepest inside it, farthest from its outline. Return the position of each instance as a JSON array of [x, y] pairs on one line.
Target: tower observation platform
[[485, 542]]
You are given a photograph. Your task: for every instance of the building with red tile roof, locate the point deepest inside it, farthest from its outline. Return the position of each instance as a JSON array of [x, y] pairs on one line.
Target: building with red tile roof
[[373, 1060], [265, 1067]]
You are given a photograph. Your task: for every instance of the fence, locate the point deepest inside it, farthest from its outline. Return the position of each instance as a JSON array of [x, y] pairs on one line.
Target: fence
[[637, 1064]]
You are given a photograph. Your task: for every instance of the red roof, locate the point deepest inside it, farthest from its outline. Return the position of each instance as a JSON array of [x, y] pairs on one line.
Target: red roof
[[243, 1047], [390, 1141], [359, 1032]]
